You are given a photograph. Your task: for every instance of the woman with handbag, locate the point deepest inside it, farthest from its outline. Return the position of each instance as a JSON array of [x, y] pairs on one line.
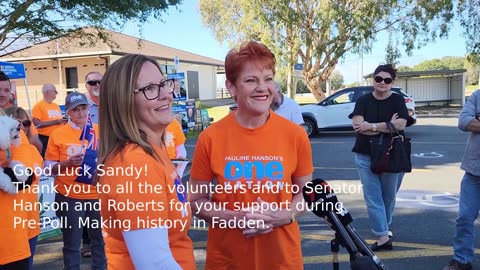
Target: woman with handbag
[[370, 120]]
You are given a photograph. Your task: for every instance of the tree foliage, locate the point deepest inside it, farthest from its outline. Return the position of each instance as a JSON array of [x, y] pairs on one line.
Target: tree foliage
[[447, 62], [392, 54], [321, 32], [34, 20]]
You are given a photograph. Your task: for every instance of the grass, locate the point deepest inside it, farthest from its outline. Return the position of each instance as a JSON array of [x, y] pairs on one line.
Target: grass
[[470, 88], [218, 113]]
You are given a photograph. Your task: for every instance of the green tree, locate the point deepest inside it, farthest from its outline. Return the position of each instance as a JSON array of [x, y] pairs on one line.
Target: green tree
[[404, 69], [473, 72], [321, 32], [35, 20], [336, 81], [392, 52], [433, 64], [447, 62]]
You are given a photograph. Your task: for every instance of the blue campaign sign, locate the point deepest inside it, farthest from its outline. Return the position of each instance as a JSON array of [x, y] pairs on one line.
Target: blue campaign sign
[[13, 70], [179, 90], [298, 66]]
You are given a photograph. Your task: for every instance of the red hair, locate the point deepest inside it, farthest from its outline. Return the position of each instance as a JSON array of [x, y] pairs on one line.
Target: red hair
[[250, 51]]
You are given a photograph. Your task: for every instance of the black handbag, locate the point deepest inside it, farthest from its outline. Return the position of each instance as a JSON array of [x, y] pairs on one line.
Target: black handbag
[[390, 152]]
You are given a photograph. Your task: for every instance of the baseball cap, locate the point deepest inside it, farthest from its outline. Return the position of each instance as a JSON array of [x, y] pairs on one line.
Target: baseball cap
[[74, 99]]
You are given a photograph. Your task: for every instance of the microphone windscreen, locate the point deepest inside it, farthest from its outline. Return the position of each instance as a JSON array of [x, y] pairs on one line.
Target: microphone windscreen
[[321, 200]]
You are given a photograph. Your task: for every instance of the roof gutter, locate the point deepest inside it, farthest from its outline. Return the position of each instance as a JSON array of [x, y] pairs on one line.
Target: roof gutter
[[171, 60], [56, 56]]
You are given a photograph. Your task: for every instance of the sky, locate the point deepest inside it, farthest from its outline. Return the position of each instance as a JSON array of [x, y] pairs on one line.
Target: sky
[[183, 29]]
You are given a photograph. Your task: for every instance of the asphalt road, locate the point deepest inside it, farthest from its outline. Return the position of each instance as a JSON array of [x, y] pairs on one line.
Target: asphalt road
[[424, 218]]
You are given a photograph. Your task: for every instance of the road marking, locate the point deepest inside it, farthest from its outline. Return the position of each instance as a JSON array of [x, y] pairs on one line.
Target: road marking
[[414, 142], [413, 250], [452, 143], [428, 155], [347, 168], [416, 251]]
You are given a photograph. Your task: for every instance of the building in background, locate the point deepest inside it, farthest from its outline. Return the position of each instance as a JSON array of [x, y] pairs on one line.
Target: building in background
[[64, 62]]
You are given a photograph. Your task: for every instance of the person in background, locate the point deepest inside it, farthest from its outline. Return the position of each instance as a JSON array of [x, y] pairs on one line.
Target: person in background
[[469, 206], [12, 256], [249, 148], [175, 141], [26, 125], [5, 91], [19, 255], [71, 147], [369, 119], [92, 84], [46, 115], [135, 88], [286, 107]]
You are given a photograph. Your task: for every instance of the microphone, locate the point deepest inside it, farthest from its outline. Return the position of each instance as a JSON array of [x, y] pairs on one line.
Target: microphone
[[323, 202]]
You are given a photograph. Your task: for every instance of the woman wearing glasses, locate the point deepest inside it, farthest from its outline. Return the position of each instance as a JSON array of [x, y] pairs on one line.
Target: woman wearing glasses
[[136, 108], [26, 125], [370, 116]]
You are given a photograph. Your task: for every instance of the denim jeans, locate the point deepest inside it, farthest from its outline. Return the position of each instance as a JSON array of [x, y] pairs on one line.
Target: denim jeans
[[72, 233], [33, 245], [463, 245], [379, 192]]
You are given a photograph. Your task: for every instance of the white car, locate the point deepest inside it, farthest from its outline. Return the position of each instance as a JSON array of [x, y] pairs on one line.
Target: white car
[[332, 112]]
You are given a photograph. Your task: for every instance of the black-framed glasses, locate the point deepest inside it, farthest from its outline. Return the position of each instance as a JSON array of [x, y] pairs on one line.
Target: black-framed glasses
[[93, 83], [152, 91], [379, 79]]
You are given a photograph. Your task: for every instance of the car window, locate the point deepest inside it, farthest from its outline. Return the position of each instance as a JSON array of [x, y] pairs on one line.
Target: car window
[[342, 98], [399, 91]]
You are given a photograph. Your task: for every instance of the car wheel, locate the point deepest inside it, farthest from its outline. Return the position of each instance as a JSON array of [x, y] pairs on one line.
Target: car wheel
[[310, 127]]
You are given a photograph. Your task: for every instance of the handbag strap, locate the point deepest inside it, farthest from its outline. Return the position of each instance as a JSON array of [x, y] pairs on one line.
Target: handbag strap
[[392, 128]]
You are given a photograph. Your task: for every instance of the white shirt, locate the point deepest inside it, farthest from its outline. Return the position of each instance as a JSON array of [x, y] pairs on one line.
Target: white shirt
[[290, 110]]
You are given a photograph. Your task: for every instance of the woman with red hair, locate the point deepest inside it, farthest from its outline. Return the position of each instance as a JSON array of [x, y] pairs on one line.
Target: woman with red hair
[[260, 162]]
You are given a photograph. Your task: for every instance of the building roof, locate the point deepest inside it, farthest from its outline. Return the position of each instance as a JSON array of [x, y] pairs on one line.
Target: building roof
[[65, 47], [409, 74]]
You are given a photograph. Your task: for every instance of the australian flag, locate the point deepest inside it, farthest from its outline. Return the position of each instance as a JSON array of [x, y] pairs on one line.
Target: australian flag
[[89, 165]]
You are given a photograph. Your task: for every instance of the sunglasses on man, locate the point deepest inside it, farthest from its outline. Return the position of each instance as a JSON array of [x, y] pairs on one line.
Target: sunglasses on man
[[379, 79], [93, 83]]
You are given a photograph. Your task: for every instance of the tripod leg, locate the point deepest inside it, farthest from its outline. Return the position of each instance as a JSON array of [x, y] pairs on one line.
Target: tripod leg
[[335, 248]]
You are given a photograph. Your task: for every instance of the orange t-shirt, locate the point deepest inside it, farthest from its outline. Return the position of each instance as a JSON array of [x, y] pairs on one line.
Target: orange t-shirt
[[63, 143], [174, 137], [31, 158], [45, 111], [268, 156], [13, 229], [33, 129], [149, 208]]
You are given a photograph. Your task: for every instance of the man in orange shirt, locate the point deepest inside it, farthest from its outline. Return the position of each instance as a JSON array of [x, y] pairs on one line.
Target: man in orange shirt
[[47, 115]]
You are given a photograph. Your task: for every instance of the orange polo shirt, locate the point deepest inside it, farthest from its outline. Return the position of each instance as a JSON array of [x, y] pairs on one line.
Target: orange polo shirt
[[45, 111], [63, 143]]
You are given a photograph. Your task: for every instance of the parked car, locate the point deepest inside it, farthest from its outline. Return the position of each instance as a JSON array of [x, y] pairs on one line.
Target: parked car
[[332, 112]]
